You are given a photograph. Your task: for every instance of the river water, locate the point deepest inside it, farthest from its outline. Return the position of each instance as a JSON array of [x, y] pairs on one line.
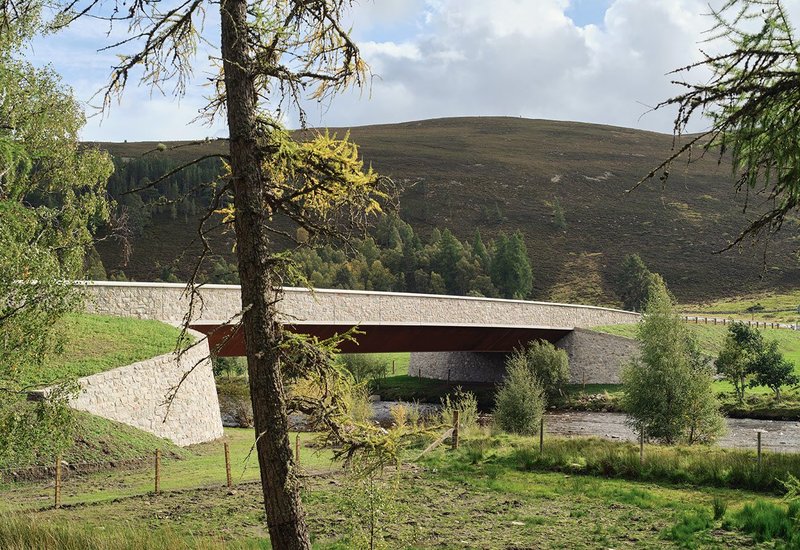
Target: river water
[[779, 435]]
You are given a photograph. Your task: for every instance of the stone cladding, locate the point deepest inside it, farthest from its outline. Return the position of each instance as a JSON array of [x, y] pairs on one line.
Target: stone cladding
[[136, 394]]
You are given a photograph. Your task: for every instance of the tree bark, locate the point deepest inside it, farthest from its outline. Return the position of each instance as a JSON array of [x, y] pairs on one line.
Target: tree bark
[[284, 511]]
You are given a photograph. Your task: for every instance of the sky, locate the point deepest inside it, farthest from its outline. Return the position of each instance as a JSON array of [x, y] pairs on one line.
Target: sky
[[598, 61]]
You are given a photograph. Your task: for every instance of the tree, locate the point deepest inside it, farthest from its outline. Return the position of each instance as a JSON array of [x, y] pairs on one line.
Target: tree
[[667, 391], [275, 52], [547, 363], [520, 400], [750, 101], [51, 198], [633, 283], [510, 267], [771, 370], [742, 345]]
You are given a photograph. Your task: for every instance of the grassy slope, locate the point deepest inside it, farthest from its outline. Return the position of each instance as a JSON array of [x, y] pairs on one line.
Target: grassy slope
[[778, 306], [454, 167], [191, 467], [96, 343], [711, 338], [486, 495]]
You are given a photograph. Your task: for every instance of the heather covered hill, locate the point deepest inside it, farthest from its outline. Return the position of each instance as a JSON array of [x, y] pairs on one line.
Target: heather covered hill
[[563, 184]]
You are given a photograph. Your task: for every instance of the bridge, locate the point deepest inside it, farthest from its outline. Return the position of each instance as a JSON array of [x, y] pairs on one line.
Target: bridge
[[453, 337]]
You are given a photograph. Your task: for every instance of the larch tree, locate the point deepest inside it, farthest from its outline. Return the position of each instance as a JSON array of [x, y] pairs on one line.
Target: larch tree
[[751, 103], [271, 53]]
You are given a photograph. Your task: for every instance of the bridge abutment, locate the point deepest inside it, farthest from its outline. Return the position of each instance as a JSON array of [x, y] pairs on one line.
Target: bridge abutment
[[594, 358]]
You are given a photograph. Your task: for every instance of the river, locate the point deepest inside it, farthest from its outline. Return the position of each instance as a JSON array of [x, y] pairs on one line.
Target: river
[[779, 435]]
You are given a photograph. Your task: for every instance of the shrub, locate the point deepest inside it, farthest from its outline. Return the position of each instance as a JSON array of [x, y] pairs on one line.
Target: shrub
[[399, 414], [229, 366], [519, 403], [467, 406], [365, 367], [405, 414]]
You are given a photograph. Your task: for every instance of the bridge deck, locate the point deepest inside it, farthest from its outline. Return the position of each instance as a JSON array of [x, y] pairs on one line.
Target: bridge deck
[[390, 338]]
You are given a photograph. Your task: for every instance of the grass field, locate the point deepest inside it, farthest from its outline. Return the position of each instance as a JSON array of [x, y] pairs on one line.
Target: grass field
[[767, 306], [191, 467], [487, 495]]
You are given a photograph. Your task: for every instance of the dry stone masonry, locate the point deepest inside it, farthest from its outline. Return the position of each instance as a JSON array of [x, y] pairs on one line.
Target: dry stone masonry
[[136, 394]]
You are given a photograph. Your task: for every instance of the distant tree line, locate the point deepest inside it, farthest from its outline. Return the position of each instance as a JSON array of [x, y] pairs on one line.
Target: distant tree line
[[396, 259], [181, 195]]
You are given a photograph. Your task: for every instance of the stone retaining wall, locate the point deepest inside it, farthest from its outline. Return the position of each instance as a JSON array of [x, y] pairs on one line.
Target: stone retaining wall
[[135, 395], [594, 358]]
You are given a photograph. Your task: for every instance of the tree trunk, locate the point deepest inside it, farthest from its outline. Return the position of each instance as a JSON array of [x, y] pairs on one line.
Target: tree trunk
[[284, 511]]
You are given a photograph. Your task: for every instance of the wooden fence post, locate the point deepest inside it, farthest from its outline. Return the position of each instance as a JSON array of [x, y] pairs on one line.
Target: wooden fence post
[[758, 434], [392, 367], [297, 449], [541, 435], [57, 495], [158, 471], [228, 465], [641, 444], [455, 429]]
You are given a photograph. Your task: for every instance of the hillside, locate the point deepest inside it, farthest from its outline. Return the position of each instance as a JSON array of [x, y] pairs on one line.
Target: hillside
[[503, 174]]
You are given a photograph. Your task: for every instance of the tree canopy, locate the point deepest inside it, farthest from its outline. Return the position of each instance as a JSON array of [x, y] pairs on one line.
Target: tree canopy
[[52, 198]]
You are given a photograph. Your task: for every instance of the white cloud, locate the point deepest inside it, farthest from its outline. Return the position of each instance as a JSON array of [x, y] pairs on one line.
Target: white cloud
[[522, 58], [435, 58]]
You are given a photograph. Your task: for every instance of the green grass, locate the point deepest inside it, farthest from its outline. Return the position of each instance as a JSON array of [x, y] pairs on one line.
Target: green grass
[[192, 467], [462, 499], [96, 343], [777, 307], [428, 390], [712, 337], [698, 465]]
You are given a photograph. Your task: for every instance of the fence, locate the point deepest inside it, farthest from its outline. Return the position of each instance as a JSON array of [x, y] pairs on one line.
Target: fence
[[34, 483], [722, 321]]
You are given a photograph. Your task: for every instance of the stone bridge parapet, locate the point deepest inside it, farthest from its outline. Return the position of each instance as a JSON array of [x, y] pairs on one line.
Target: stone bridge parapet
[[220, 303]]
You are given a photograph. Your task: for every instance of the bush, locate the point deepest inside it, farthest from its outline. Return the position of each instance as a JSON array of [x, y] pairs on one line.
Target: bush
[[365, 367], [519, 403], [548, 364], [467, 406], [229, 366]]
